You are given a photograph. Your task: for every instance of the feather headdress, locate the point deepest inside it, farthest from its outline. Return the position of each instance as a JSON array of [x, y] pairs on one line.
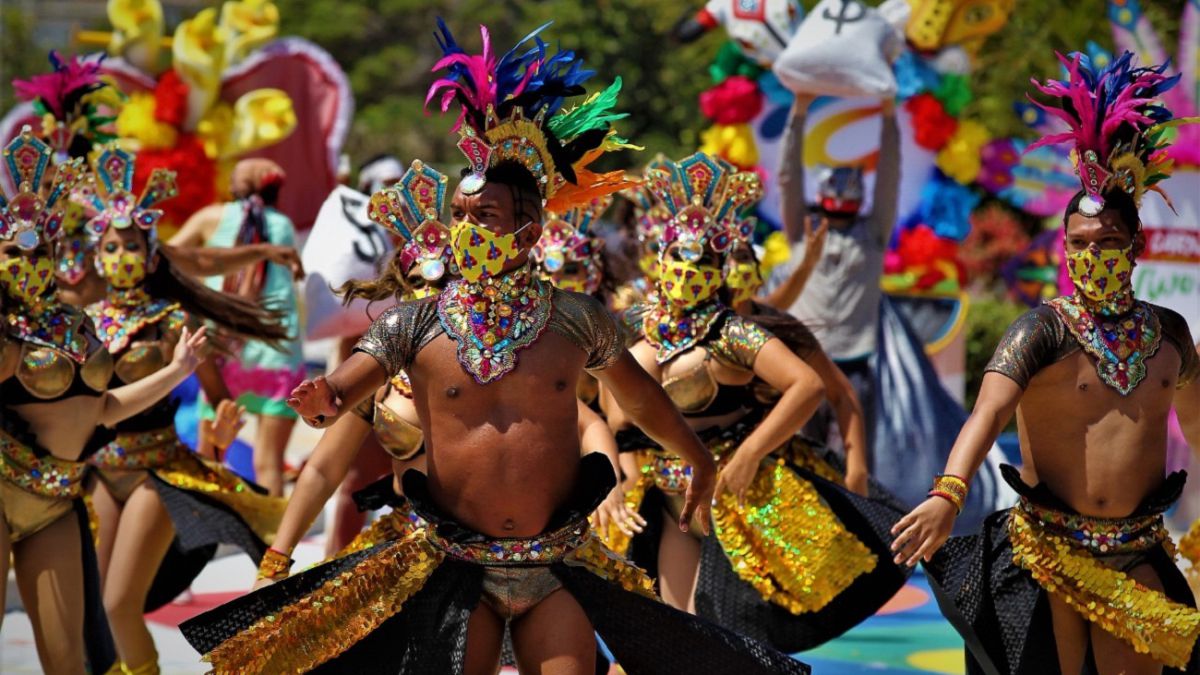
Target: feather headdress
[[77, 106], [512, 109], [1115, 121]]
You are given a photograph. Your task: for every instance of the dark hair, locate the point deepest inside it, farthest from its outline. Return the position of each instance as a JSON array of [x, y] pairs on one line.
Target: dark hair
[[1114, 200], [526, 197], [234, 316], [391, 283]]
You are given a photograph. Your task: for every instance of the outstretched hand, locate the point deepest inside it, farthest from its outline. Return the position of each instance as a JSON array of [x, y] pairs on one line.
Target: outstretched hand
[[288, 257], [615, 511], [923, 531], [189, 350], [697, 502], [315, 401]]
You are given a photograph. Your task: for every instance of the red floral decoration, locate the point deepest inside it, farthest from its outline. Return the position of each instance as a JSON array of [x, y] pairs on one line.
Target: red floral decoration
[[736, 100], [197, 186], [996, 237], [171, 99], [932, 125]]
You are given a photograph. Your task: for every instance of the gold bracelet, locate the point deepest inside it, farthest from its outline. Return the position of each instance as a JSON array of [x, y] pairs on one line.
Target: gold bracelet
[[275, 565], [951, 488]]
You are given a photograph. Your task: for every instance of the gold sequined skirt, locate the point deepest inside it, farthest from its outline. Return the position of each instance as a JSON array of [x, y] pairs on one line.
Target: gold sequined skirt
[[784, 540], [324, 623], [130, 458], [1107, 597], [35, 491]]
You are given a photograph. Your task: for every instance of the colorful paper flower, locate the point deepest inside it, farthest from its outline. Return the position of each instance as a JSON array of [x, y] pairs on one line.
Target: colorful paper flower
[[960, 158], [731, 61], [914, 76], [137, 122], [998, 158], [954, 91], [732, 142], [171, 99], [736, 100], [946, 207], [932, 126]]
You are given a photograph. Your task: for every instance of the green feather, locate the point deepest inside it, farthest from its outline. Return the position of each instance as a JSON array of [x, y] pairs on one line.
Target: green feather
[[594, 113]]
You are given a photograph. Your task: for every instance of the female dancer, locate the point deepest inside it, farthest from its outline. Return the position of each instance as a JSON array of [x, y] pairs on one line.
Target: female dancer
[[149, 486], [774, 490], [53, 367], [263, 373]]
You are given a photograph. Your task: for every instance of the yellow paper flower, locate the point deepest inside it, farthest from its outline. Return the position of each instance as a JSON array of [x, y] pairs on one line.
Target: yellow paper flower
[[731, 142], [199, 52], [260, 118], [136, 122], [214, 129], [248, 25], [960, 158], [776, 251], [137, 31]]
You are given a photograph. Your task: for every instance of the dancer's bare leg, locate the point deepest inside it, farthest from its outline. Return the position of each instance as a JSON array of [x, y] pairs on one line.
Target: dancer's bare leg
[[50, 578], [143, 537], [272, 439], [485, 631], [555, 638]]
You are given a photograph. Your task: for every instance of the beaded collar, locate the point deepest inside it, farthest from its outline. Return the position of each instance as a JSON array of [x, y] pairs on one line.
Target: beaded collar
[[492, 319], [1120, 344], [121, 315], [50, 324], [673, 332]]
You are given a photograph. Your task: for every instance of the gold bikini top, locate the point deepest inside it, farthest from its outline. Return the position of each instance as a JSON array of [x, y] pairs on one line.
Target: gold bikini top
[[399, 438], [696, 391], [120, 324], [43, 373]]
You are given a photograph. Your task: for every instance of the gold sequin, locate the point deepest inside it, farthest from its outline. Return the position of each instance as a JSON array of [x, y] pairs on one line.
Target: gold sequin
[[1146, 619], [786, 542], [1189, 547], [335, 616], [392, 526], [599, 560]]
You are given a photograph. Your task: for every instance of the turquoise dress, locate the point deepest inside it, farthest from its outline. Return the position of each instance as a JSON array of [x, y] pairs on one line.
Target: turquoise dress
[[262, 377]]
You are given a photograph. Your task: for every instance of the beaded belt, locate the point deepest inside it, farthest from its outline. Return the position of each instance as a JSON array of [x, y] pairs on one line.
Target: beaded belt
[[138, 450], [1100, 536], [671, 474], [540, 550], [47, 476]]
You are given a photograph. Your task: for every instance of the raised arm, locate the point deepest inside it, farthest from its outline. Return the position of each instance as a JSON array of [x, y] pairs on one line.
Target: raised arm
[[785, 295], [802, 391], [923, 531], [647, 405], [199, 261], [887, 178], [791, 171], [322, 400], [128, 400]]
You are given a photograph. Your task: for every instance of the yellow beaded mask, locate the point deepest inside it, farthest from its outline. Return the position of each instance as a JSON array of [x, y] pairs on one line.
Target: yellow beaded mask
[[481, 253], [122, 270]]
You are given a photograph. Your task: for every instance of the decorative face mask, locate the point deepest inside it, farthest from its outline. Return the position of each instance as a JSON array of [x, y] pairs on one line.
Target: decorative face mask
[[73, 259], [122, 270], [744, 280], [481, 253], [1101, 275], [648, 263], [424, 292], [27, 279], [687, 284]]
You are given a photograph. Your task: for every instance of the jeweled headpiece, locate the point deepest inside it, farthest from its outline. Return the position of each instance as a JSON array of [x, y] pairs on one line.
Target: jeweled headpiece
[[568, 237], [115, 204], [704, 195], [411, 209], [650, 213], [512, 110], [1116, 124], [28, 218], [76, 105]]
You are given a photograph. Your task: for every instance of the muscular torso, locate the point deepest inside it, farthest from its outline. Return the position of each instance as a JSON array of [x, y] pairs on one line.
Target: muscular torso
[[503, 456], [1098, 451]]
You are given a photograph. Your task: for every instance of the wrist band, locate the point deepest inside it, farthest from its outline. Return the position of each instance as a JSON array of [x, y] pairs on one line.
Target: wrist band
[[275, 565], [951, 488]]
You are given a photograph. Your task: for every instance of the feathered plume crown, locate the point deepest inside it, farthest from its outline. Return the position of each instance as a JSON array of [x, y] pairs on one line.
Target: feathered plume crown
[[28, 218], [70, 100], [411, 209], [704, 196], [511, 109], [1116, 123], [115, 204]]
